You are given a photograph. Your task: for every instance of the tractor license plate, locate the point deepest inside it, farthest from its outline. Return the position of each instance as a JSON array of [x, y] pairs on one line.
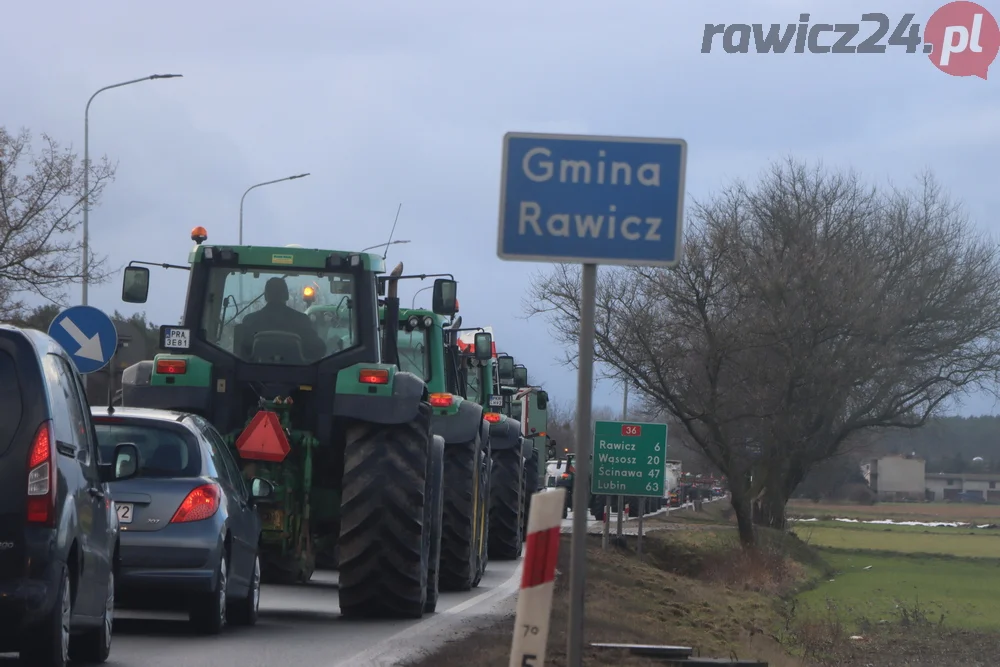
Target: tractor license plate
[[124, 512], [273, 520], [176, 339], [496, 401]]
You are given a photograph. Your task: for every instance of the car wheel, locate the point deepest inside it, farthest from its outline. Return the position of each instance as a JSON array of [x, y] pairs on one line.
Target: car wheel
[[94, 646], [208, 614], [246, 611], [48, 645]]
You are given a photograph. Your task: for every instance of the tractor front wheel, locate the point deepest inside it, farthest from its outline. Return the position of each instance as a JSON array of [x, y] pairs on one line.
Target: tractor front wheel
[[385, 540], [530, 488]]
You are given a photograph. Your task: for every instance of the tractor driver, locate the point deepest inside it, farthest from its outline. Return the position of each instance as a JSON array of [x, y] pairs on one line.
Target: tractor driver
[[276, 315]]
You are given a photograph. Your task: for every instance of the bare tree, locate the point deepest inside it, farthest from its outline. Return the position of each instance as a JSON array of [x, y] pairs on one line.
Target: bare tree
[[40, 195], [807, 309]]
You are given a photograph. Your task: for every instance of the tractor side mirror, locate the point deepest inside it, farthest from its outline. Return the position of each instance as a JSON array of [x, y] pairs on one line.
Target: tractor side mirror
[[135, 284], [520, 377], [484, 346], [445, 297], [505, 366], [543, 400]]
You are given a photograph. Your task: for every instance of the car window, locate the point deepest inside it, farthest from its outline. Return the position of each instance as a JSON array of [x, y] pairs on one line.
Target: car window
[[67, 422], [87, 439], [221, 452], [213, 450], [163, 451], [10, 399]]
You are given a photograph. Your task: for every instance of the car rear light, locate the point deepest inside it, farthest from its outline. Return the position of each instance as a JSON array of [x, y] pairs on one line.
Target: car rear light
[[440, 400], [171, 366], [41, 478], [202, 503], [373, 376], [492, 417]]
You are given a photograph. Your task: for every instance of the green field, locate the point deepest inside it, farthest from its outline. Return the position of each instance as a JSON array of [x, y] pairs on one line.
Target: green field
[[965, 592], [947, 575], [958, 543]]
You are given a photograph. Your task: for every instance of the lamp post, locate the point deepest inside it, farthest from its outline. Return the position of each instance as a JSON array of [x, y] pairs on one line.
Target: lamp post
[[380, 245], [414, 300], [86, 172], [259, 185]]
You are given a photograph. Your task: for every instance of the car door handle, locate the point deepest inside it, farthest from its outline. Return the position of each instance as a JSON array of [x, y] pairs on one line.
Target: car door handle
[[95, 492]]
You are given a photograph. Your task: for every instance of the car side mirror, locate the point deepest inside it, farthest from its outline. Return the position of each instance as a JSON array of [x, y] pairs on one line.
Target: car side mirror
[[445, 300], [543, 400], [135, 284], [261, 489], [520, 377], [126, 463], [484, 346]]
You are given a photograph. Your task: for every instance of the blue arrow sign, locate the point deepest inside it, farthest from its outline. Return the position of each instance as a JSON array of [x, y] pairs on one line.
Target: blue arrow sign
[[88, 336]]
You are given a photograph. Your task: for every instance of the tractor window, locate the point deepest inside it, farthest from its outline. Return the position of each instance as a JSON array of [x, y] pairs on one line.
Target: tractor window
[[473, 382], [317, 319], [414, 353]]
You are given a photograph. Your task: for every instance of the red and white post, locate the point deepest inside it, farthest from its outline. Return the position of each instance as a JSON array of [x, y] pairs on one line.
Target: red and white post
[[534, 602]]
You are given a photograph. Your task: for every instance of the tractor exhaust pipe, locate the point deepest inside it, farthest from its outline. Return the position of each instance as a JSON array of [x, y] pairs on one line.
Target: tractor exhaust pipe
[[390, 351]]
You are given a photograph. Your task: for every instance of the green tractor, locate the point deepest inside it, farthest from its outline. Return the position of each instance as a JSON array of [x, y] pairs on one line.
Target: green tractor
[[510, 451], [318, 406], [529, 405], [428, 347]]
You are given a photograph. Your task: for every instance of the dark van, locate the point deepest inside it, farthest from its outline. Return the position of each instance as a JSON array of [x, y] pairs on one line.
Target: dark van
[[58, 527]]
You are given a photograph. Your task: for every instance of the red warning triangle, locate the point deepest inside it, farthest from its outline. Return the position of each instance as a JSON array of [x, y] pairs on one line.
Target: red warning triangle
[[263, 439]]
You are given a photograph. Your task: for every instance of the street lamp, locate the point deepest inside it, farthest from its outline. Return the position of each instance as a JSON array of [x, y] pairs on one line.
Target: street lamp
[[278, 180], [86, 171], [413, 301], [380, 245]]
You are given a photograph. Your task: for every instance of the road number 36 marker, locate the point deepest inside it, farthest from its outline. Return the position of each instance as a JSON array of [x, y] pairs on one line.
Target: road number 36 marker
[[534, 602]]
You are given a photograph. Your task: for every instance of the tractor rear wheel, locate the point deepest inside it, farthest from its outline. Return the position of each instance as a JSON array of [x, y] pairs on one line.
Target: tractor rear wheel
[[434, 511], [460, 546], [506, 504], [384, 537]]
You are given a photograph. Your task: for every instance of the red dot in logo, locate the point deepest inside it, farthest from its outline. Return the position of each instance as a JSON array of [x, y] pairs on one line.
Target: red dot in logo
[[965, 39]]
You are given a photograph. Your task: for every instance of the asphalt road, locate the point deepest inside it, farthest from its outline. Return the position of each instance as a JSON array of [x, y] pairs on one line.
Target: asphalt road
[[301, 626]]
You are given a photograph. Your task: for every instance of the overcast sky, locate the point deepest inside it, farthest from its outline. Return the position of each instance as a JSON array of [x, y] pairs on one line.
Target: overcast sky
[[389, 102]]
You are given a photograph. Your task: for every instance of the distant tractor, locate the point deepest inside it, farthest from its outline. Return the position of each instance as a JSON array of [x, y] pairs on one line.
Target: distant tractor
[[319, 405]]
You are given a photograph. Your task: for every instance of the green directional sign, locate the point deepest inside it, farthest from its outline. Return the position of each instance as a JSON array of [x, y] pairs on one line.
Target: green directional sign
[[629, 459]]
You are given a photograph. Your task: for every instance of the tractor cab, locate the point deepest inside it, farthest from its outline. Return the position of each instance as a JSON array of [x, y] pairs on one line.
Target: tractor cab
[[262, 323]]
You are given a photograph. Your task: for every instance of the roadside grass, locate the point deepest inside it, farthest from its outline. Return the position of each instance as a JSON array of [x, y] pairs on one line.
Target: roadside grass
[[788, 603], [648, 602], [937, 511], [958, 544]]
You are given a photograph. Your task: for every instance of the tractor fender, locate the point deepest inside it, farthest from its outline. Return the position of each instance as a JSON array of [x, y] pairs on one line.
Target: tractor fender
[[460, 427], [399, 407], [505, 434], [527, 447], [138, 392]]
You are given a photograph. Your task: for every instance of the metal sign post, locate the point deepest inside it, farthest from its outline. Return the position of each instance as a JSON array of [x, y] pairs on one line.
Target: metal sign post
[[589, 200]]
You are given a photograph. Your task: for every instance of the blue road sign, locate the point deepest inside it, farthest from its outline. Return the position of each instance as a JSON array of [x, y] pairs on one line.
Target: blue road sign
[[88, 336], [591, 199]]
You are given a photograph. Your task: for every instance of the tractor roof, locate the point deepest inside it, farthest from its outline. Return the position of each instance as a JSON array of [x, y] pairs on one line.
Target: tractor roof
[[290, 257]]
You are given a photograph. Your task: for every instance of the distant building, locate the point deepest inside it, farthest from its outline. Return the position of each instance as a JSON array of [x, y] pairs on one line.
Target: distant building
[[896, 477], [965, 487]]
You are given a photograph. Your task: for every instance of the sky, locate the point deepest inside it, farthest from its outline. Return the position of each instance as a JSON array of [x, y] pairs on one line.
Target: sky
[[407, 102]]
